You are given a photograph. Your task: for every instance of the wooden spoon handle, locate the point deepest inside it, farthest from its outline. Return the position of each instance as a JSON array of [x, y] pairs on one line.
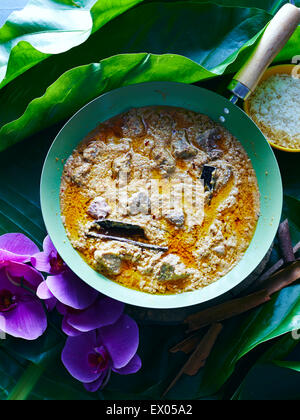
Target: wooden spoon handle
[[278, 32]]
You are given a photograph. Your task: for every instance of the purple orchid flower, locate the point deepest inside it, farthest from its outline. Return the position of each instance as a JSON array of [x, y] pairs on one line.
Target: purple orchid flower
[[16, 247], [104, 311], [83, 308], [92, 356], [21, 313], [68, 289], [48, 261], [63, 285]]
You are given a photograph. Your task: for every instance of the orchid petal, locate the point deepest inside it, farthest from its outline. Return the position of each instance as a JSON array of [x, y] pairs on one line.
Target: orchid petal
[[105, 311], [7, 284], [75, 357], [121, 340], [133, 366], [99, 383], [71, 290], [48, 245], [18, 270], [41, 262], [16, 247], [43, 291], [68, 329], [27, 320]]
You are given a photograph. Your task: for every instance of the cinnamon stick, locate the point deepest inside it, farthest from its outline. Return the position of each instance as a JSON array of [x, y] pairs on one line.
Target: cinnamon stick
[[235, 307], [203, 350], [285, 242], [274, 268], [187, 345], [226, 310], [283, 278], [198, 358], [273, 281]]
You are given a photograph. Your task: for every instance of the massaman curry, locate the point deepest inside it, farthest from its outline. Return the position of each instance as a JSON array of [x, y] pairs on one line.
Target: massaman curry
[[160, 199]]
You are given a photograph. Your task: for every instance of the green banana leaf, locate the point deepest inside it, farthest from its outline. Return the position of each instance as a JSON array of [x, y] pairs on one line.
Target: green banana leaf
[[11, 369], [52, 90], [20, 211], [270, 377], [56, 88], [159, 368], [46, 27], [271, 6], [282, 348], [270, 382], [289, 365], [20, 380]]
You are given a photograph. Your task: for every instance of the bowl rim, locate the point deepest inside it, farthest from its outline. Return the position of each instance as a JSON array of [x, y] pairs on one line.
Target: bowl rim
[[277, 69], [132, 296]]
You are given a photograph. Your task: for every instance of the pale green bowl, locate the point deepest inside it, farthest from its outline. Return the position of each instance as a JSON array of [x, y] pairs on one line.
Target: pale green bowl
[[179, 95]]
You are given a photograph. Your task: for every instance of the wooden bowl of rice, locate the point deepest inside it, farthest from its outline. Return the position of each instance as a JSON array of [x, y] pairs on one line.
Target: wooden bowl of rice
[[275, 107]]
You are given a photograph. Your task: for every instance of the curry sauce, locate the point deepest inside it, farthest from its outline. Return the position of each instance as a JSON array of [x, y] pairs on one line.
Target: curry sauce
[[148, 168]]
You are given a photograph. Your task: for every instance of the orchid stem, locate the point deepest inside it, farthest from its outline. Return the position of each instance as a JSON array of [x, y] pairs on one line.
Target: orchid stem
[[27, 382]]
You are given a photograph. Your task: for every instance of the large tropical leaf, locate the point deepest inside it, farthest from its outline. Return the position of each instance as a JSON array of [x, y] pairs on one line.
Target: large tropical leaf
[[9, 7], [270, 382], [271, 6], [20, 169], [20, 380], [80, 85], [276, 375], [34, 370], [46, 27], [55, 87], [239, 337]]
